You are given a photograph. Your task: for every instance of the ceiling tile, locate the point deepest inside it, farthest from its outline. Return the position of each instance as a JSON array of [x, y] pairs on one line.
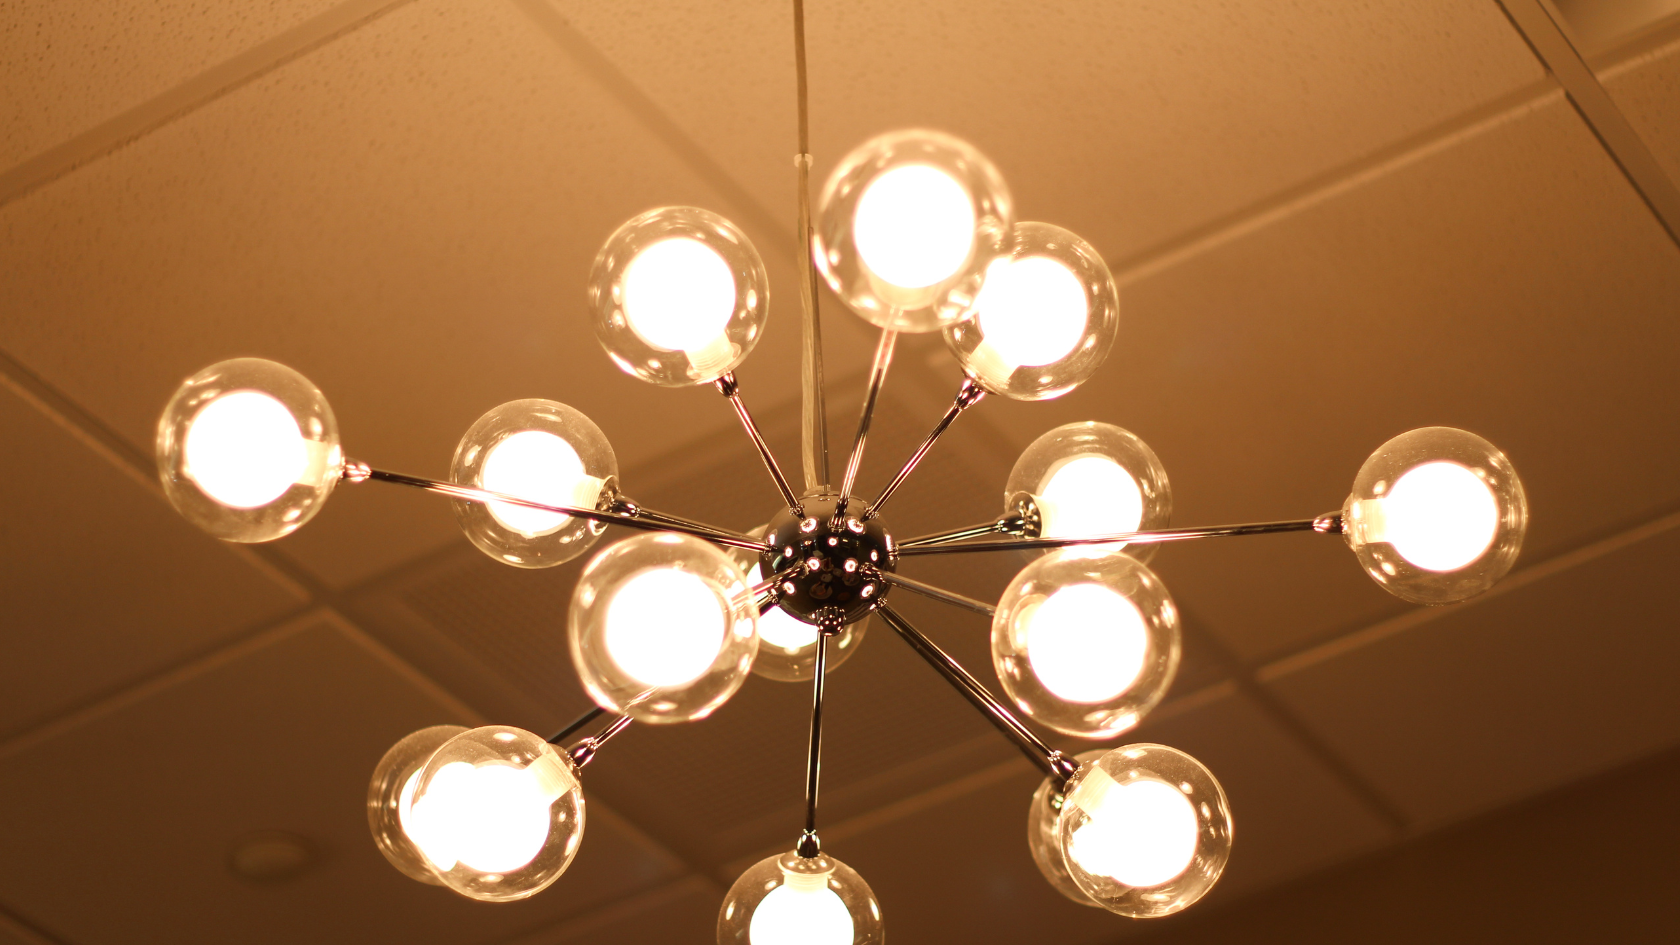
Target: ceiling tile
[[281, 735], [684, 911], [1495, 700], [69, 66], [1127, 122], [1646, 88], [103, 582]]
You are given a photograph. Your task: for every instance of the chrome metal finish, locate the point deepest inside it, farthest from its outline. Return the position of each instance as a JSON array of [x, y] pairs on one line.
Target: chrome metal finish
[[640, 521], [583, 752], [813, 766], [928, 590], [729, 387], [1330, 523], [834, 567], [968, 395], [1046, 758], [1145, 537], [1026, 518], [1026, 522], [877, 377], [813, 416], [353, 471], [577, 724]]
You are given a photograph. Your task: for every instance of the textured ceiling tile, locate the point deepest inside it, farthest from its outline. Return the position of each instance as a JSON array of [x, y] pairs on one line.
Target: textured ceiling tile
[[685, 911], [407, 215], [280, 736], [103, 582], [1126, 122], [1647, 90], [1497, 700], [68, 66]]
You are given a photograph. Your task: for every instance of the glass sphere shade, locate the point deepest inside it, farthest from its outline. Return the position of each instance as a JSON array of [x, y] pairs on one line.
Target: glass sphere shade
[[662, 628], [1436, 515], [391, 799], [679, 296], [787, 647], [793, 900], [1086, 643], [1145, 830], [498, 813], [542, 451], [1044, 842], [909, 222], [248, 450], [1045, 319], [1092, 478]]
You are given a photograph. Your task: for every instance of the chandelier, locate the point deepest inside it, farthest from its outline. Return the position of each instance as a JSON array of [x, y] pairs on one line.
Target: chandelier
[[915, 232]]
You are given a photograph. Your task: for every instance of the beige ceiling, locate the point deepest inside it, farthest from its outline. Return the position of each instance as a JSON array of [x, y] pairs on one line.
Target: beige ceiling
[[1331, 222]]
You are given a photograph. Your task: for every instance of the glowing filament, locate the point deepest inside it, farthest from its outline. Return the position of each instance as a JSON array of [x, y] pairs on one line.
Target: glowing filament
[[244, 449], [679, 295], [1086, 643], [664, 627], [1140, 834], [914, 226]]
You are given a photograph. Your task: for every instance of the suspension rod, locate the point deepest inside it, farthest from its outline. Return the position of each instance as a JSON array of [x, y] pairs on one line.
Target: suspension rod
[[362, 472], [813, 418], [968, 395], [1047, 759], [1330, 523], [729, 387], [877, 377], [577, 724], [585, 750], [809, 846], [928, 590]]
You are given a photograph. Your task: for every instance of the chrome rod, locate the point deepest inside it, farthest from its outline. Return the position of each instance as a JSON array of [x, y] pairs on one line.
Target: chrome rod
[[809, 845], [1330, 524], [968, 395], [361, 472], [813, 417], [957, 534], [689, 525], [577, 724], [928, 590], [729, 387], [583, 752], [877, 377], [1046, 758]]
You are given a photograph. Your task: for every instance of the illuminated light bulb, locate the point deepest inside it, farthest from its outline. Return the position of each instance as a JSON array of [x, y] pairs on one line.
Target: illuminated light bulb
[[541, 467], [1440, 517], [1090, 495], [244, 449], [664, 627], [1032, 311], [914, 226], [391, 801], [1142, 833], [794, 900], [678, 294], [1043, 840], [801, 911], [1086, 643]]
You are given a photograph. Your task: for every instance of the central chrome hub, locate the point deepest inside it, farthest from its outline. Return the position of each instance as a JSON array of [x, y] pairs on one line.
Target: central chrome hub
[[833, 566]]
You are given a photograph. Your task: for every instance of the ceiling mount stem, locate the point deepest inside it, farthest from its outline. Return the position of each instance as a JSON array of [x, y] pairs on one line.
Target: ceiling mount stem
[[877, 378], [1322, 525], [731, 388], [968, 395], [813, 417], [928, 590], [1048, 760]]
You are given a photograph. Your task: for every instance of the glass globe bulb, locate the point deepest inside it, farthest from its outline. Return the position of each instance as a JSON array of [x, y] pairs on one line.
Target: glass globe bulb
[[787, 647], [1086, 644], [1044, 842], [248, 450], [1436, 515], [497, 813], [679, 295], [545, 452], [1045, 319], [391, 799], [1145, 830], [909, 223], [1093, 478], [794, 900], [662, 628]]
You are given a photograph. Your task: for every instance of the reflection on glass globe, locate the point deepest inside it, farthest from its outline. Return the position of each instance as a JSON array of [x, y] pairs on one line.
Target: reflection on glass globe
[[542, 451], [1145, 830], [679, 295], [1044, 842], [391, 799], [909, 223], [794, 900], [498, 813], [787, 647], [1045, 319], [1090, 479], [663, 628], [248, 450], [1436, 515], [1086, 644]]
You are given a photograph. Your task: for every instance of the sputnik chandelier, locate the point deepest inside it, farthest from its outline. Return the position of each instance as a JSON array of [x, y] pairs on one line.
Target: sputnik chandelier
[[916, 233]]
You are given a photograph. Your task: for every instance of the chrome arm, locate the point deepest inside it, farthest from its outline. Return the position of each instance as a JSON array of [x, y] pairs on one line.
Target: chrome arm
[[809, 846], [362, 472], [1007, 525], [1050, 761], [968, 395], [928, 590], [576, 724], [1329, 523], [729, 387], [584, 751], [877, 377]]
